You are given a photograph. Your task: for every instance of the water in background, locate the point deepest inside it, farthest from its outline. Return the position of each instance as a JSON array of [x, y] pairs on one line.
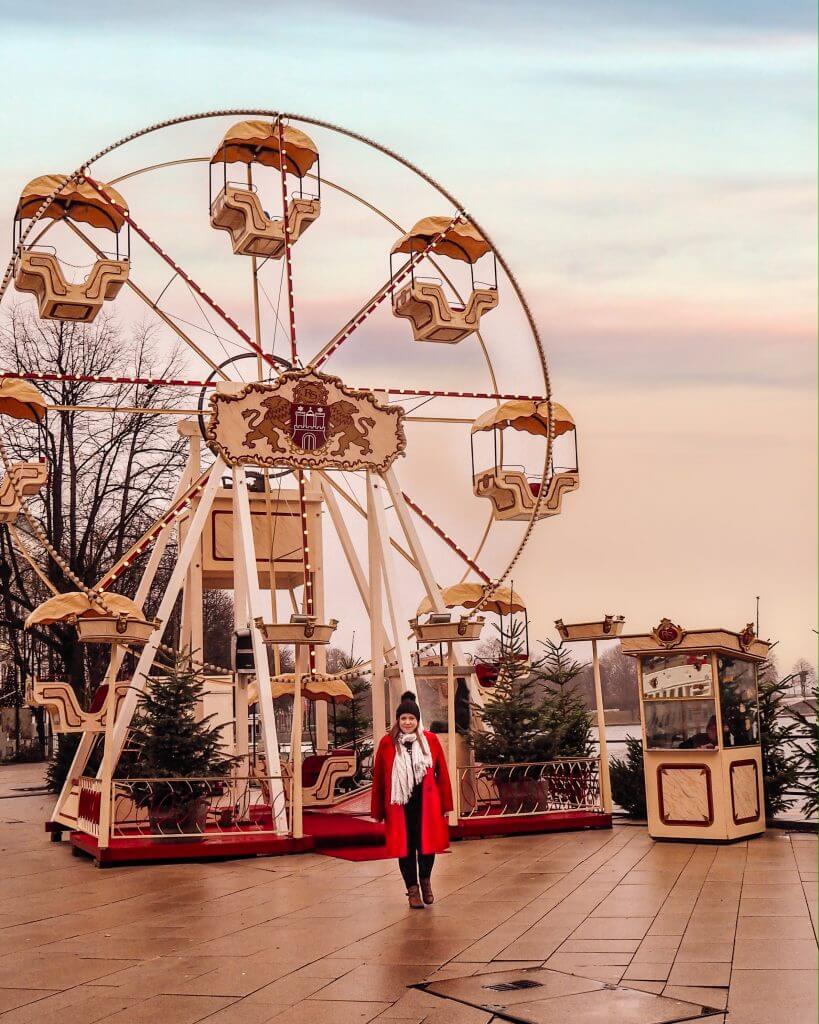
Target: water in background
[[616, 736]]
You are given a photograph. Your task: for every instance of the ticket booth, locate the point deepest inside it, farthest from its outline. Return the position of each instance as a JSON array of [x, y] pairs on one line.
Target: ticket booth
[[701, 744]]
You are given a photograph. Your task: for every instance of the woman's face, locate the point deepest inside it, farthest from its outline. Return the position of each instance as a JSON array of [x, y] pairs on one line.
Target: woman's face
[[407, 723]]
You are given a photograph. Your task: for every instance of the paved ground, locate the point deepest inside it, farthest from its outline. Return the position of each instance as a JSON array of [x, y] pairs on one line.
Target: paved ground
[[308, 940]]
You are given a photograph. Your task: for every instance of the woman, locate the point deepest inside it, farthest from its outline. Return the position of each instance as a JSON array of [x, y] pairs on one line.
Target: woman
[[411, 794]]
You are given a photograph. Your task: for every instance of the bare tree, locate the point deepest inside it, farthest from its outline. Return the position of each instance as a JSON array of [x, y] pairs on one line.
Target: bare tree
[[111, 471], [804, 676]]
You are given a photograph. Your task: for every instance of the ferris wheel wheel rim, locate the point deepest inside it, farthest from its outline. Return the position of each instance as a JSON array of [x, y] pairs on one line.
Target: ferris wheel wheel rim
[[414, 168]]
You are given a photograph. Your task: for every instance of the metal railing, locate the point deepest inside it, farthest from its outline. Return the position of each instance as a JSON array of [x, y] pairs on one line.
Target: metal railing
[[199, 807], [509, 790], [88, 805]]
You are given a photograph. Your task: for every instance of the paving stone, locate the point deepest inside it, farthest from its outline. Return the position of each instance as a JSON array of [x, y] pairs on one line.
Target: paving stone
[[772, 997], [700, 974], [716, 997]]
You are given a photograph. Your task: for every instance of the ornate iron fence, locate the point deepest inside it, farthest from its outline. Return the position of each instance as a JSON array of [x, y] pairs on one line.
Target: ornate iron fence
[[505, 790], [195, 808]]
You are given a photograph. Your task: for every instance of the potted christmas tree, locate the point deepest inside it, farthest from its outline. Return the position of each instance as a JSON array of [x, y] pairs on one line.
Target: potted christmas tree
[[512, 740], [566, 720], [174, 744], [533, 715]]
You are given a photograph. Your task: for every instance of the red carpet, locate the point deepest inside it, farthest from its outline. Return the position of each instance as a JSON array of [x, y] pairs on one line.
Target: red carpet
[[348, 836]]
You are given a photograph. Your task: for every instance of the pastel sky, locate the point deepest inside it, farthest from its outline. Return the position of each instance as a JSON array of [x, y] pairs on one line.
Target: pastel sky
[[648, 169]]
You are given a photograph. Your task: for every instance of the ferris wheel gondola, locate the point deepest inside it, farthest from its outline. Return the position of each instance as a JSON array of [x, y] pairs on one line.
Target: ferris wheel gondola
[[423, 301], [237, 207], [515, 493], [39, 270]]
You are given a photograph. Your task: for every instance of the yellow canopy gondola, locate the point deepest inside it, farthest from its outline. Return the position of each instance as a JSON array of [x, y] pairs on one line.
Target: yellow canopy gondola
[[77, 201], [503, 601], [463, 241], [63, 607], [21, 400], [258, 142], [330, 688], [531, 417]]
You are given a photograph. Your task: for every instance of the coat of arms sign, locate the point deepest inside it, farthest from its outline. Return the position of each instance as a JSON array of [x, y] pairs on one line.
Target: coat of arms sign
[[305, 419]]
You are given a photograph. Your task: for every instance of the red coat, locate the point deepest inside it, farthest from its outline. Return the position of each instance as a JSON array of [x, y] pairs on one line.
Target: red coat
[[436, 800]]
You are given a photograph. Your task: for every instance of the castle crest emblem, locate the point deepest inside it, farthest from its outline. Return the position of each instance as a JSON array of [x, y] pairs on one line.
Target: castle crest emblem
[[309, 416], [304, 419]]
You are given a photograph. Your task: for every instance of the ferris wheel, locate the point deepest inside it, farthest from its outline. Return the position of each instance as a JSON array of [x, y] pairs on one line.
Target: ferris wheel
[[325, 290]]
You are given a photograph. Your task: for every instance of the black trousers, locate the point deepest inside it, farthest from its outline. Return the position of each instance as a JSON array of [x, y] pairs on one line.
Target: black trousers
[[416, 864]]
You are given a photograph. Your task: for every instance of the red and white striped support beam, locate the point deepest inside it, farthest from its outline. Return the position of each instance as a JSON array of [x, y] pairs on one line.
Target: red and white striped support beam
[[445, 537], [294, 355], [178, 270], [500, 396], [91, 378], [176, 510], [368, 308], [494, 395]]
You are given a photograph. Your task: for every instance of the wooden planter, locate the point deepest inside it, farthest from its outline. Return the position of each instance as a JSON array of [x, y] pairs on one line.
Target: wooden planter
[[185, 818], [527, 795]]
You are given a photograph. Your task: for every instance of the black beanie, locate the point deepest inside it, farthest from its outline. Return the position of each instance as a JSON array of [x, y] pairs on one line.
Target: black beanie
[[408, 706]]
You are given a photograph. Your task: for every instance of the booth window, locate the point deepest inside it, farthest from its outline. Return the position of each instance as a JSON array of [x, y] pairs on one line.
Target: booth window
[[738, 702], [667, 676], [681, 724]]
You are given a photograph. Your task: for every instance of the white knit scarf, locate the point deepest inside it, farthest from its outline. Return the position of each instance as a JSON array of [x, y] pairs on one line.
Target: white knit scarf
[[412, 761]]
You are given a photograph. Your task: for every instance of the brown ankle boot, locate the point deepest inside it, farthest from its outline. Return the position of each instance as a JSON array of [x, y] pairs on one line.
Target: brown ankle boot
[[426, 890], [414, 897]]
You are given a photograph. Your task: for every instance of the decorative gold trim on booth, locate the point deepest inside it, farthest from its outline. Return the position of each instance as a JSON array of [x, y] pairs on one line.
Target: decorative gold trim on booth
[[721, 641], [667, 633], [747, 636]]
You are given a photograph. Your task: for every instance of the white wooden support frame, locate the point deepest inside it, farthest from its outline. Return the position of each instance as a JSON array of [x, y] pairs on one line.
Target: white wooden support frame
[[87, 739], [417, 551], [255, 609], [605, 773], [146, 658], [375, 489], [376, 610], [452, 738], [108, 760], [350, 553]]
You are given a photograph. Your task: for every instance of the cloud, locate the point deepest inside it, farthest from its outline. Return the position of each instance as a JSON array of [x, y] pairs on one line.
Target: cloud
[[533, 19]]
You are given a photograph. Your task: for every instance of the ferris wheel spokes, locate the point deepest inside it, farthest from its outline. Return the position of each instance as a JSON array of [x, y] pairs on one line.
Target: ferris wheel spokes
[[143, 234], [378, 297]]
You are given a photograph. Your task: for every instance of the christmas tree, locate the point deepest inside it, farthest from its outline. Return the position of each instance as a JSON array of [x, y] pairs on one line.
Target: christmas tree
[[564, 715], [512, 721], [172, 742], [352, 726]]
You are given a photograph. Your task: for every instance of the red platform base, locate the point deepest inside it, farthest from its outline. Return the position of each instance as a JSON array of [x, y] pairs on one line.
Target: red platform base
[[210, 847], [349, 836], [528, 824]]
